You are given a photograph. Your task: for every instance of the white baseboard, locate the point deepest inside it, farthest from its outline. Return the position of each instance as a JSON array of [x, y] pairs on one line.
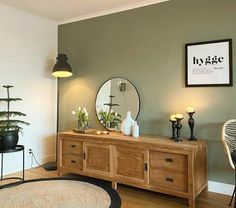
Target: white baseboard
[[221, 188]]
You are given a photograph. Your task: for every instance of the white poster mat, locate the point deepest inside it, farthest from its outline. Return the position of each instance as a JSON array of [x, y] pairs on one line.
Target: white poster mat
[[208, 64]]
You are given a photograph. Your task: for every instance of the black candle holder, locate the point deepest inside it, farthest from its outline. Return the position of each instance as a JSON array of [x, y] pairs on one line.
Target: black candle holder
[[191, 123], [178, 127], [173, 129]]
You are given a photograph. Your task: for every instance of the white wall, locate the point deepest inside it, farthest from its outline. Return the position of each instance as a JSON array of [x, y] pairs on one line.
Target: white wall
[[28, 47]]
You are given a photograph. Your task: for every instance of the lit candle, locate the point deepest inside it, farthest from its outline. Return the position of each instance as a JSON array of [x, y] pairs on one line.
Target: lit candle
[[172, 117], [190, 110], [178, 116]]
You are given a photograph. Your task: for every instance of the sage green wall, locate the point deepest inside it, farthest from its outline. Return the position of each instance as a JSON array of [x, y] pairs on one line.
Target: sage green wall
[[146, 46]]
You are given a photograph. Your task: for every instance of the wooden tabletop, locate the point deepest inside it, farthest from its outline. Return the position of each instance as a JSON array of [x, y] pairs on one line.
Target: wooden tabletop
[[153, 139]]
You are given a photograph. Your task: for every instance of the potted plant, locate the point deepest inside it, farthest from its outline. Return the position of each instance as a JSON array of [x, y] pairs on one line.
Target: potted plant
[[110, 119], [82, 116], [9, 126]]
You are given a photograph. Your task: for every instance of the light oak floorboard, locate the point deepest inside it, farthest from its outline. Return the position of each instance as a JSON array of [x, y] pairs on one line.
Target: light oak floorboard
[[138, 198]]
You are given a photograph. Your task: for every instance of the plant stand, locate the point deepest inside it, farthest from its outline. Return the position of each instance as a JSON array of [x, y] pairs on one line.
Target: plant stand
[[21, 180]]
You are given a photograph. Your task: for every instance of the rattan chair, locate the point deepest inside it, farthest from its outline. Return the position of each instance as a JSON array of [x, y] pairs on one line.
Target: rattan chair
[[229, 141]]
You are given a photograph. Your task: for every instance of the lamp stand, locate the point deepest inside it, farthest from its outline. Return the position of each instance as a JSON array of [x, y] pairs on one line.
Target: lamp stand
[[53, 165]]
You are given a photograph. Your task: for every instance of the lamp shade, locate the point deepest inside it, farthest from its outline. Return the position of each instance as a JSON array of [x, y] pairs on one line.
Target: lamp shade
[[62, 68]]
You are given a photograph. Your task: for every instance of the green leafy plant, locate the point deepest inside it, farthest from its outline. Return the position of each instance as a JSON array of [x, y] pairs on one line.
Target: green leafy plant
[[7, 123], [82, 116], [110, 119]]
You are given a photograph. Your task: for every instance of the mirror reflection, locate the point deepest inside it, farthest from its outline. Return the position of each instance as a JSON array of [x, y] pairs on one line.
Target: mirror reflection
[[115, 97]]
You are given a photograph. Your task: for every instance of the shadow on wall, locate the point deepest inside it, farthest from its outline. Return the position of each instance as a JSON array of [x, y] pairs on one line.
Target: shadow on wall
[[49, 149], [155, 127], [211, 131], [218, 164], [49, 63]]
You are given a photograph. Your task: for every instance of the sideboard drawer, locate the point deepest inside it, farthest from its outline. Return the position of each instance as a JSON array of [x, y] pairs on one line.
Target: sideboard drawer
[[170, 180], [168, 161], [72, 161], [69, 146]]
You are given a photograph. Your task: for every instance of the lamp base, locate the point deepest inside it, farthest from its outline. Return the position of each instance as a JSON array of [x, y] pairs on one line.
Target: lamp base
[[50, 166]]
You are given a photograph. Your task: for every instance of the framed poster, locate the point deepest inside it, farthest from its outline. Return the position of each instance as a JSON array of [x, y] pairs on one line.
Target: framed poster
[[209, 63]]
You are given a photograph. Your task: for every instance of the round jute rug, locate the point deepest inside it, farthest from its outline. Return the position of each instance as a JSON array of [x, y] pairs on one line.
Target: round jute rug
[[61, 193]]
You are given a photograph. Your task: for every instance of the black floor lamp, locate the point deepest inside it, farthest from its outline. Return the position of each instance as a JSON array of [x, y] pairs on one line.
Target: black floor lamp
[[61, 69]]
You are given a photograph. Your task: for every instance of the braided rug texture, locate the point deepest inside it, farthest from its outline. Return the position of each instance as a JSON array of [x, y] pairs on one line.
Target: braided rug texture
[[55, 194]]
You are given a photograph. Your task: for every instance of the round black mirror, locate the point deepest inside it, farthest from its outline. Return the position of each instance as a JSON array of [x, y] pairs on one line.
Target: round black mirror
[[114, 99]]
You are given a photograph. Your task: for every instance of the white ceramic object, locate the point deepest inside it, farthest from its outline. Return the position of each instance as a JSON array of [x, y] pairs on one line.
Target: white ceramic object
[[135, 129], [126, 125]]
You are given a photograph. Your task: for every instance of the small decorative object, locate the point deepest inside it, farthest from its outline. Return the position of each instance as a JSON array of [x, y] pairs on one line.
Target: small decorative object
[[173, 122], [105, 132], [110, 119], [9, 127], [102, 132], [135, 129], [98, 132], [178, 125], [127, 124], [190, 111], [209, 63]]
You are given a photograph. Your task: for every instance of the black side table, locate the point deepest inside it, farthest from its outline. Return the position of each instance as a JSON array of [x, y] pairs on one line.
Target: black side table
[[21, 180]]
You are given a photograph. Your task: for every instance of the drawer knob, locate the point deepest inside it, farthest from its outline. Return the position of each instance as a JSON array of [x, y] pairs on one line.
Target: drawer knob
[[73, 145], [170, 179], [73, 161], [169, 160]]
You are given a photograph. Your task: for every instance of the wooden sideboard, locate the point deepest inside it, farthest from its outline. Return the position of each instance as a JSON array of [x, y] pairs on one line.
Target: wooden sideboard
[[150, 162]]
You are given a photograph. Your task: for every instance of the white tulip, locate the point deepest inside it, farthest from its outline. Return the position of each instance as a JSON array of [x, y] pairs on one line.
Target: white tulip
[[116, 114], [111, 111], [79, 108], [73, 112], [85, 110]]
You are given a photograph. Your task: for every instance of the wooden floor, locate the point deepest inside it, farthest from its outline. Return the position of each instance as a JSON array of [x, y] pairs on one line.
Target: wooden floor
[[137, 198]]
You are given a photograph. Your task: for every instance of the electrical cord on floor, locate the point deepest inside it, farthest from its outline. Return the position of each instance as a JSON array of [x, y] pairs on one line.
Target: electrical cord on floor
[[33, 158]]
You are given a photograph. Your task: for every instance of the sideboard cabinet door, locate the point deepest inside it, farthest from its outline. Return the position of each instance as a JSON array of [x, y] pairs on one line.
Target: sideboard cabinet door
[[130, 163], [98, 159]]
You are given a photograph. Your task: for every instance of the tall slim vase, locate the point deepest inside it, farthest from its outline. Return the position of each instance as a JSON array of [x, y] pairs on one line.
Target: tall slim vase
[[126, 125]]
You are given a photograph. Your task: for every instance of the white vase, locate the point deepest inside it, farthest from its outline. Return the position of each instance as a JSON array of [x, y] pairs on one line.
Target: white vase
[[135, 129], [126, 125]]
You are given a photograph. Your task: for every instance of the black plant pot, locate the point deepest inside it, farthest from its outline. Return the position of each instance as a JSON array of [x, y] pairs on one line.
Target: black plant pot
[[8, 140]]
